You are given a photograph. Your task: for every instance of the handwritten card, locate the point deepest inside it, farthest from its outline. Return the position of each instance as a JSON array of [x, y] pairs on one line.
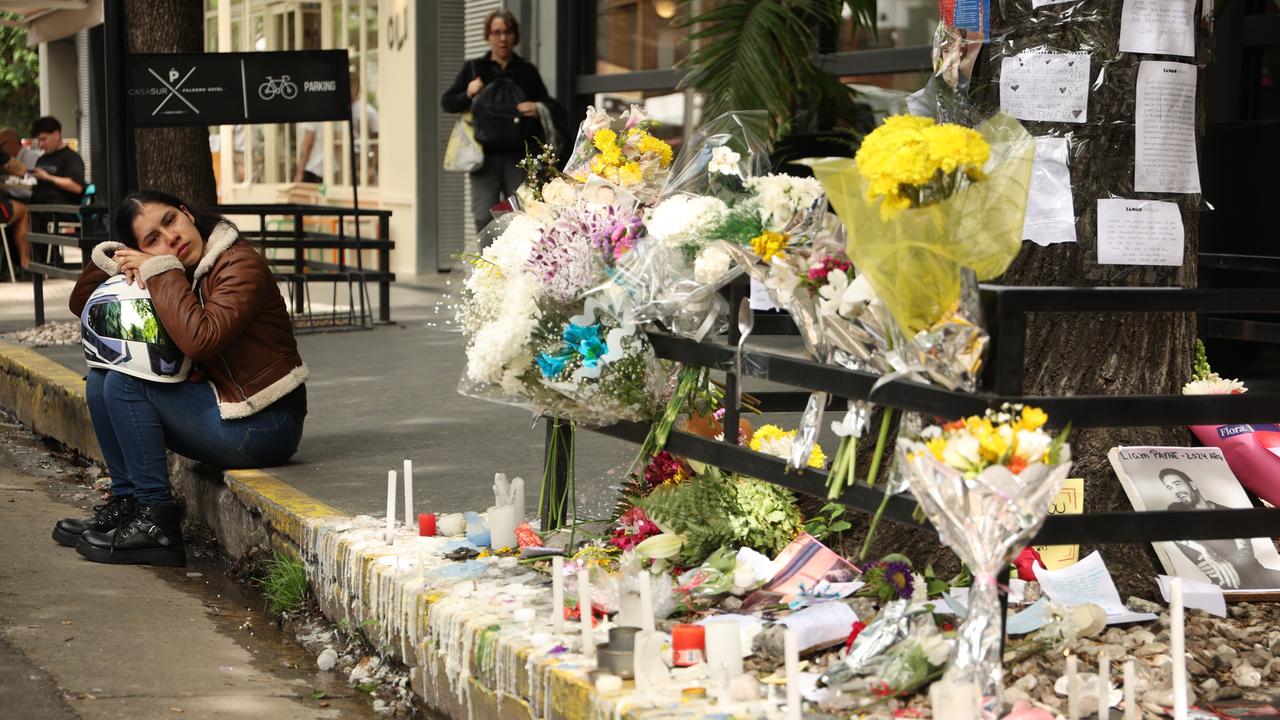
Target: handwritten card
[[1051, 216], [1088, 581], [1166, 118], [1158, 27], [759, 298], [1139, 232], [1046, 87], [1070, 501]]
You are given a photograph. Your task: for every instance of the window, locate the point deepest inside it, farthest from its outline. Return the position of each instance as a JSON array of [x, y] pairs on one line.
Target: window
[[899, 23], [271, 153], [635, 35]]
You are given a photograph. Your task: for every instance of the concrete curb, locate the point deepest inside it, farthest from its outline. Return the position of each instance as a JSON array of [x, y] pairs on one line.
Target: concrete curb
[[461, 663], [46, 397]]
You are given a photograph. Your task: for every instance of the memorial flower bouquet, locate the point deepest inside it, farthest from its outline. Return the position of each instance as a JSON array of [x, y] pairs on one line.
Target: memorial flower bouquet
[[621, 151], [985, 482], [679, 266], [921, 203]]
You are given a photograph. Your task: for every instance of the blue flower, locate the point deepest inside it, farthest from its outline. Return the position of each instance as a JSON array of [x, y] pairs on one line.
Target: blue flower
[[591, 350], [574, 335], [552, 365]]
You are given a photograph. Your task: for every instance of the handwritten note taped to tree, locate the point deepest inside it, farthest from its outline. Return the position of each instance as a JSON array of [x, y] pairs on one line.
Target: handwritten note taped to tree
[[1161, 27], [1046, 87], [1166, 122], [1139, 232]]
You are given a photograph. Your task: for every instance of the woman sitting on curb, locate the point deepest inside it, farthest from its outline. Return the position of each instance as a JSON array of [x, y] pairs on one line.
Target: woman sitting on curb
[[244, 404]]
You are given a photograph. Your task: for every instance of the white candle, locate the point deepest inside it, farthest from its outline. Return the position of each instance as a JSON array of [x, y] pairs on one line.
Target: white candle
[[954, 700], [1104, 687], [1073, 690], [391, 507], [724, 648], [1130, 690], [584, 614], [646, 603], [408, 494], [502, 526], [792, 648], [1178, 649], [557, 594]]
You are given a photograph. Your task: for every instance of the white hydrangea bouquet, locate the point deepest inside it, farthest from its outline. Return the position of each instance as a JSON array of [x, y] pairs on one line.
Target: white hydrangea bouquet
[[677, 269]]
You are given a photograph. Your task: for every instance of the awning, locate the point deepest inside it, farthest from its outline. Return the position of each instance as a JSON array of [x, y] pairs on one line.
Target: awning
[[54, 19]]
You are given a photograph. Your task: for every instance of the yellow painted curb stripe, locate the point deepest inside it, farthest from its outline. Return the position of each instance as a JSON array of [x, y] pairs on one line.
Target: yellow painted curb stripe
[[283, 506], [41, 366]]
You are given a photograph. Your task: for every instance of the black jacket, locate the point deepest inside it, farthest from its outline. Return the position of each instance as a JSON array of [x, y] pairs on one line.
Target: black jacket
[[523, 72]]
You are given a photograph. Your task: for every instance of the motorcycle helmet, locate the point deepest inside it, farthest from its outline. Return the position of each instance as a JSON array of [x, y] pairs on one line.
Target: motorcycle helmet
[[120, 331]]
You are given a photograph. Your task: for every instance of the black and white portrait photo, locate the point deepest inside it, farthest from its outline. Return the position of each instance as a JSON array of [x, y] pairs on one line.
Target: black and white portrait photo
[[1181, 479]]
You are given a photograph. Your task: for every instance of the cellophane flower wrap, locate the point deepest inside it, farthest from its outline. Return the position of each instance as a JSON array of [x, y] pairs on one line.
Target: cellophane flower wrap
[[678, 268], [541, 331], [921, 202], [986, 484], [621, 151]]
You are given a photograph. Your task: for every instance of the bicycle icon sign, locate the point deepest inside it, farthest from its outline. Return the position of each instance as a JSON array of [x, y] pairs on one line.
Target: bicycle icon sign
[[274, 86]]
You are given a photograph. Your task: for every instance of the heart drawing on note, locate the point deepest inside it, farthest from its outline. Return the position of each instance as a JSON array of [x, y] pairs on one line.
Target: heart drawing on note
[[1076, 112], [1014, 87], [1062, 90]]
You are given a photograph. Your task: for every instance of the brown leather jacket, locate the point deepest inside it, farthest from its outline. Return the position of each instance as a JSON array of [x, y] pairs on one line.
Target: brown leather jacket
[[228, 317]]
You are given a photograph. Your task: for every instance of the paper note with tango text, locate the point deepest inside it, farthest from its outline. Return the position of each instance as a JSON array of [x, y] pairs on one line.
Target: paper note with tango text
[[1070, 501]]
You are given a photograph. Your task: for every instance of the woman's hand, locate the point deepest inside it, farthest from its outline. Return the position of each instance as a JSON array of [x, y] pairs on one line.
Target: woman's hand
[[527, 108], [130, 263], [475, 86]]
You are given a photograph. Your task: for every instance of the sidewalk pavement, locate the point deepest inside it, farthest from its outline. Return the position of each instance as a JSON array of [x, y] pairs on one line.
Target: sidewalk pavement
[[100, 642], [380, 396]]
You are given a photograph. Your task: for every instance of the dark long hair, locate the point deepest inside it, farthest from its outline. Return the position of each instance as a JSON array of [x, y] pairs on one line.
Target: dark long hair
[[205, 221]]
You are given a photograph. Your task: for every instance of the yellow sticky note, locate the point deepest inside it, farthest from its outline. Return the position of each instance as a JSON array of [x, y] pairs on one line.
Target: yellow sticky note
[[1070, 501]]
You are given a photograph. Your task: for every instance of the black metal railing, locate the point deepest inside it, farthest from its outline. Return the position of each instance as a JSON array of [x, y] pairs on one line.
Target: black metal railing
[[1006, 309], [283, 235]]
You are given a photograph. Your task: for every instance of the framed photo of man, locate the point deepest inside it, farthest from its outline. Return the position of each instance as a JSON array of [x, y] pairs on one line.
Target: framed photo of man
[[1182, 478]]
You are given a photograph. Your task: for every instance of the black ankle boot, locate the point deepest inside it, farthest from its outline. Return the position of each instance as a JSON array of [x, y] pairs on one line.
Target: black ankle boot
[[105, 518], [153, 536]]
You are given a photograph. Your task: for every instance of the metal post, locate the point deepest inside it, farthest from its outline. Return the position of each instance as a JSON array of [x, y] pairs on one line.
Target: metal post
[[558, 434], [731, 411], [384, 265], [1002, 586], [117, 131], [299, 299], [37, 286]]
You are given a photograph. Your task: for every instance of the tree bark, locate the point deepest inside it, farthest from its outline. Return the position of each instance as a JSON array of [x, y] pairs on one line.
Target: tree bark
[[173, 160], [1086, 354]]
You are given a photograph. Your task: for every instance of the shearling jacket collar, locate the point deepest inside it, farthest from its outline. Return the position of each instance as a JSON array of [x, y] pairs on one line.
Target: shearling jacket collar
[[222, 237]]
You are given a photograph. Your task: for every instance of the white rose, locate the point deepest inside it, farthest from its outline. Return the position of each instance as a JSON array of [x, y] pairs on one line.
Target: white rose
[[936, 650], [711, 264], [559, 194]]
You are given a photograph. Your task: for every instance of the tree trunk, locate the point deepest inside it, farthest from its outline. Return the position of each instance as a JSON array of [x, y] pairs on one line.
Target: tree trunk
[[173, 160], [1102, 354], [1083, 354]]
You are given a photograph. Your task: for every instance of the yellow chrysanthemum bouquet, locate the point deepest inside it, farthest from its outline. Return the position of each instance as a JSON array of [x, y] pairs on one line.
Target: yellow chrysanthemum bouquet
[[621, 151], [922, 201]]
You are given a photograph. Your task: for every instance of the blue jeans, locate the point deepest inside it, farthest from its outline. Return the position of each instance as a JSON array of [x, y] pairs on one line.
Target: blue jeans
[[137, 420]]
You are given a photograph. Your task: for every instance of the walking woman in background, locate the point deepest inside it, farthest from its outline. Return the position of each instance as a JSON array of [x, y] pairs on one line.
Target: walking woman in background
[[504, 89]]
